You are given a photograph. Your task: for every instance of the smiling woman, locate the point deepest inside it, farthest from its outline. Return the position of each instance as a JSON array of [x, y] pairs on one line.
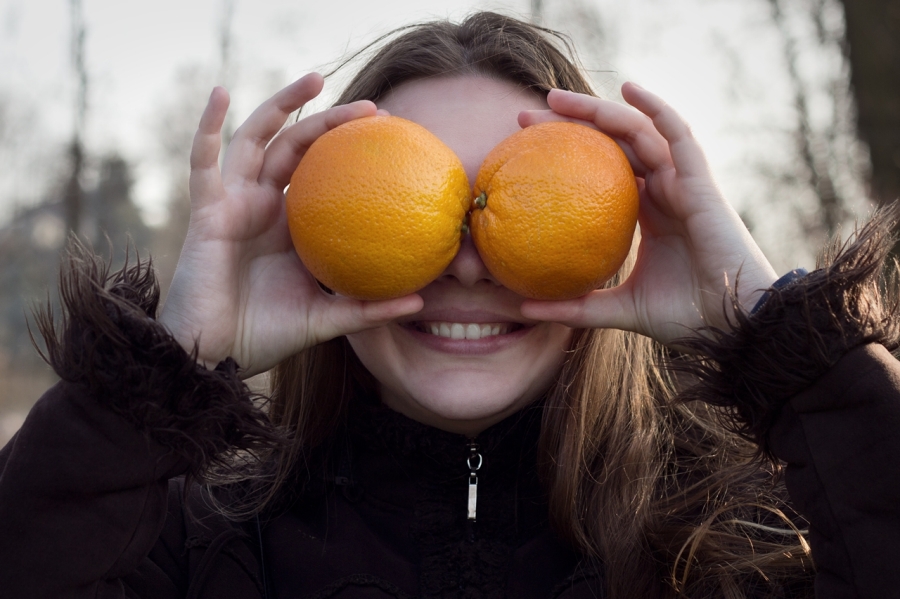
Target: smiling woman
[[463, 441], [463, 381]]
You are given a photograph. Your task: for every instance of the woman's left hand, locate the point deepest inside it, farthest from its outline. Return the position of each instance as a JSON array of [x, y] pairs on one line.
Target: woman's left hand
[[693, 244]]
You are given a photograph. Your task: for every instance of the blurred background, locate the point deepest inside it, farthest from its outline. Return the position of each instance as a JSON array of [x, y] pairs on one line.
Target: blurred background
[[797, 103]]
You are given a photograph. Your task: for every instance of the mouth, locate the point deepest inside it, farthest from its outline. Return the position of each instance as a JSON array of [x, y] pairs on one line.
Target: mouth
[[471, 331]]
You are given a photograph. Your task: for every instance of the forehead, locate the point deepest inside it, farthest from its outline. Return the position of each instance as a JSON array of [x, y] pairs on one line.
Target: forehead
[[470, 113]]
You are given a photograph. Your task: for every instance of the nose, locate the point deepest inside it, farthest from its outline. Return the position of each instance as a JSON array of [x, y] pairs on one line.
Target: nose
[[467, 267]]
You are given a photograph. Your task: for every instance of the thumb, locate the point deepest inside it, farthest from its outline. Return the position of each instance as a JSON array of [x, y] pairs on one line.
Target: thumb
[[347, 315], [380, 312], [601, 309]]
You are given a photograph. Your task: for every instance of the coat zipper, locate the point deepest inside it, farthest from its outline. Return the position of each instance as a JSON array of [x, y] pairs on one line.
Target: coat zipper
[[473, 462]]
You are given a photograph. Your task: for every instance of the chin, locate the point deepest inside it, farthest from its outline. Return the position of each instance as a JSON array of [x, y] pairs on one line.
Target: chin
[[460, 403], [466, 403], [462, 385]]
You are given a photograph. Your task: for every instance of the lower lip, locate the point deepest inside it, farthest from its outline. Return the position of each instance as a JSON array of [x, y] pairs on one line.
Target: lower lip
[[473, 347]]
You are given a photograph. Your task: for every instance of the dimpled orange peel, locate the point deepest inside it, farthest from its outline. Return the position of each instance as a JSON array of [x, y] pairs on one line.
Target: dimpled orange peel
[[376, 207], [554, 211]]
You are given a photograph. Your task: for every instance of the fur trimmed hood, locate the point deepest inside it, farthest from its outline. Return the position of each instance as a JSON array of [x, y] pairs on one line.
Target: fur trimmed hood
[[108, 340], [799, 332]]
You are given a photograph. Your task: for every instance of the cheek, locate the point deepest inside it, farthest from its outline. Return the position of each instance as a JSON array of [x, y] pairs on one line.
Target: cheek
[[383, 357], [377, 352]]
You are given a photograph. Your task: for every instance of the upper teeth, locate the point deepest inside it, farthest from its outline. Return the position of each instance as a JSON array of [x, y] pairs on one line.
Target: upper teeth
[[458, 330]]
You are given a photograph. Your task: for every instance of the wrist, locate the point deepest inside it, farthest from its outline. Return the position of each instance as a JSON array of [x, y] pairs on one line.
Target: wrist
[[799, 330], [781, 283], [190, 338]]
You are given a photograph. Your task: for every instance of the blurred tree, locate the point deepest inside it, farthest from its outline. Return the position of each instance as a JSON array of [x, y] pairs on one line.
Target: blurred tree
[[23, 146], [29, 249], [873, 47], [73, 196], [820, 161], [175, 124], [537, 11], [30, 244], [115, 218], [585, 25]]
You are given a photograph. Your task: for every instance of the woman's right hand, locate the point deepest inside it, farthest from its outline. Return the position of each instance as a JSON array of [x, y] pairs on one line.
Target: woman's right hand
[[240, 290]]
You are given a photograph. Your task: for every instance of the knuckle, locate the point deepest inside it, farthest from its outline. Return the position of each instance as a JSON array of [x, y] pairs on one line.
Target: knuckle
[[240, 132], [685, 130]]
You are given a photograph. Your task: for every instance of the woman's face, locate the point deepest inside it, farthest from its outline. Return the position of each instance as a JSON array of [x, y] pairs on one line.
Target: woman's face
[[469, 358]]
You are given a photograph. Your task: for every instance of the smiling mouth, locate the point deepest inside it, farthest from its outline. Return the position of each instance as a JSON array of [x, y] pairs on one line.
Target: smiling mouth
[[468, 331]]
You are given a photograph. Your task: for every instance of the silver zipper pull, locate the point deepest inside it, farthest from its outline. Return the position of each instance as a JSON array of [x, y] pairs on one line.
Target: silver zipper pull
[[474, 463]]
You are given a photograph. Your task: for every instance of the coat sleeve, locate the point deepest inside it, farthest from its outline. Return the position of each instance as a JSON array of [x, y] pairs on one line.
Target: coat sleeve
[[841, 442], [811, 380], [84, 483]]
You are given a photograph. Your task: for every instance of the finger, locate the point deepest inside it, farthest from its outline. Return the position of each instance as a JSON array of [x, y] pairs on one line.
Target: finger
[[245, 154], [528, 118], [345, 316], [655, 217], [686, 152], [287, 149], [206, 180], [601, 309], [618, 121]]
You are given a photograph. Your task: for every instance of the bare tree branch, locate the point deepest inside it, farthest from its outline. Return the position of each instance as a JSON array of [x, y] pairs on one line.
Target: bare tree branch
[[73, 198], [809, 147]]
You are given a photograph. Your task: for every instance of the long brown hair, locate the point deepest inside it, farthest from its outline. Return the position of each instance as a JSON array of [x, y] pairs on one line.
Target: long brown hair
[[670, 501]]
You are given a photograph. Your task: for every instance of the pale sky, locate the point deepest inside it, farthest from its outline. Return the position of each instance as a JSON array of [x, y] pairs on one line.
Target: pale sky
[[719, 62]]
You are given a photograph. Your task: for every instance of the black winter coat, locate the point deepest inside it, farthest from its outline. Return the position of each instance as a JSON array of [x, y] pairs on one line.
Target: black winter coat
[[91, 503]]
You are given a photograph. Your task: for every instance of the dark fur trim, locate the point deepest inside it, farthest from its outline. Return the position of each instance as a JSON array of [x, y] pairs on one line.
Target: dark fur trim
[[800, 332], [108, 341]]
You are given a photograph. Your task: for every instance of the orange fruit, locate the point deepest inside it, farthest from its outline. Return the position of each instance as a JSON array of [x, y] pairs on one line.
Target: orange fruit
[[376, 207], [555, 210]]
